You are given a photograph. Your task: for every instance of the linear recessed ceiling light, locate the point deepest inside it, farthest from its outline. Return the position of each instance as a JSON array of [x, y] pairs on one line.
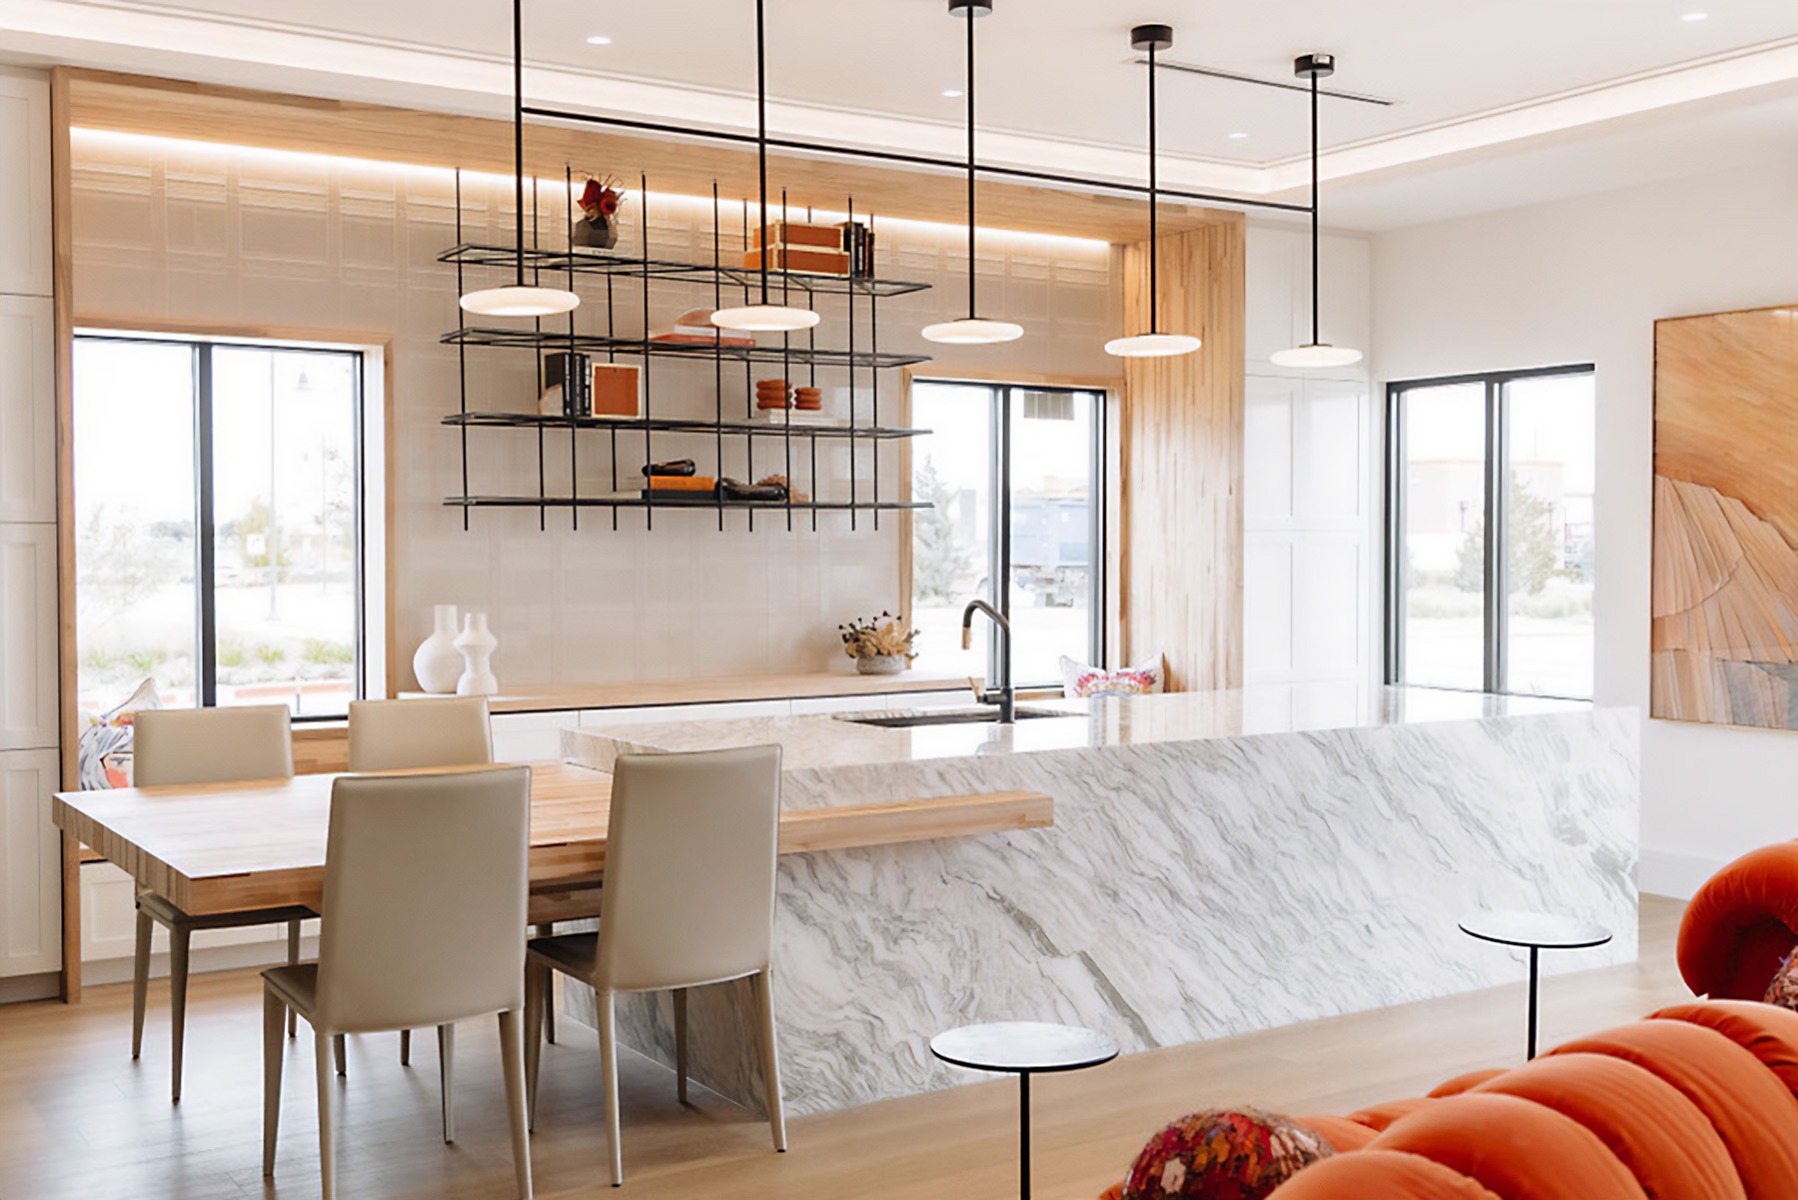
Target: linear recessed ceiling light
[[1238, 136], [599, 39], [952, 93], [1696, 17]]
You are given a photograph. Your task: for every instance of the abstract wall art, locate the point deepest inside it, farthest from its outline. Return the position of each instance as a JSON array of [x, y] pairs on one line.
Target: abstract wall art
[[1724, 643]]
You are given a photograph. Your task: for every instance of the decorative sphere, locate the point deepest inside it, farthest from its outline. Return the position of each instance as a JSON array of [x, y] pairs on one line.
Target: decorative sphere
[[1223, 1154]]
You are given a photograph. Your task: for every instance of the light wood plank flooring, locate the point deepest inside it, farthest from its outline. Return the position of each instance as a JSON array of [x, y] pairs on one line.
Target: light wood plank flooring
[[79, 1119]]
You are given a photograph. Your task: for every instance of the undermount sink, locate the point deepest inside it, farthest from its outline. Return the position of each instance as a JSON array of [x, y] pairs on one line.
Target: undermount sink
[[906, 719]]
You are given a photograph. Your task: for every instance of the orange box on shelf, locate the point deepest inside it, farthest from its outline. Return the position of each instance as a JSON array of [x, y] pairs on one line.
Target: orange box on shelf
[[681, 483], [617, 391], [796, 233], [792, 258]]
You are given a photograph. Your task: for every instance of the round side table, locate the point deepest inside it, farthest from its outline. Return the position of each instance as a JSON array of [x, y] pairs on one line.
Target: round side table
[[1024, 1048], [1537, 931]]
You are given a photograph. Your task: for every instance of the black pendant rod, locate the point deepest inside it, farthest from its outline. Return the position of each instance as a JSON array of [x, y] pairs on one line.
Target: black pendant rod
[[969, 10], [518, 126], [1154, 327], [1314, 265], [761, 138]]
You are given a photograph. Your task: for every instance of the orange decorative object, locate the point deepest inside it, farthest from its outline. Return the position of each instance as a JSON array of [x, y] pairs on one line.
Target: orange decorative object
[[681, 483], [1380, 1175], [1751, 1110], [1740, 925], [617, 391], [1768, 1033], [1647, 1123], [1514, 1148]]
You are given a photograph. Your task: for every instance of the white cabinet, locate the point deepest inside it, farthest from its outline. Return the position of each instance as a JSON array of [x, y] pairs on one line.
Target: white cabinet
[[27, 409], [30, 864], [28, 713], [25, 266]]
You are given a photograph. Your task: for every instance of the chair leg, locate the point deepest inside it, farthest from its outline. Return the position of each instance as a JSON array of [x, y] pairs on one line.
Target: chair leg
[[275, 1013], [327, 1148], [338, 1053], [546, 929], [446, 1064], [179, 937], [777, 1119], [405, 1047], [536, 983], [140, 980], [680, 1044], [511, 1050], [293, 958], [608, 1068]]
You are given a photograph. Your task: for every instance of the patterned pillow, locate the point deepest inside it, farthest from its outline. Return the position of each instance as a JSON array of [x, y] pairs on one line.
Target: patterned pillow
[[1223, 1154], [1079, 680], [1783, 991], [103, 755]]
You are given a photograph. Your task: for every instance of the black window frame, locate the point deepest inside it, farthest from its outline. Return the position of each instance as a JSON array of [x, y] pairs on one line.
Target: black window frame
[[1495, 609], [999, 516], [205, 568]]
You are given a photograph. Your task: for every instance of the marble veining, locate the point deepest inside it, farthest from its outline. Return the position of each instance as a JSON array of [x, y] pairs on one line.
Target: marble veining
[[1195, 884]]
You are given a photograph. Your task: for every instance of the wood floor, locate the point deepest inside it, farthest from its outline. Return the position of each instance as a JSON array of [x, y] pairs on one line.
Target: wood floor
[[79, 1119]]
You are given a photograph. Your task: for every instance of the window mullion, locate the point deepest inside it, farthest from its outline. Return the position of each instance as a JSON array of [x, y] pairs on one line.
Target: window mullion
[[1497, 478], [205, 564]]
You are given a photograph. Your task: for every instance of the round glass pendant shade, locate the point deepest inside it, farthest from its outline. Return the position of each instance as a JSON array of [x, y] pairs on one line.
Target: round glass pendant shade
[[520, 302], [1315, 354], [765, 318], [1153, 345], [973, 331]]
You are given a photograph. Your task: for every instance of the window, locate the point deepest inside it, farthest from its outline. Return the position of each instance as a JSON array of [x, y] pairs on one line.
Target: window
[[218, 523], [1489, 532], [1015, 477]]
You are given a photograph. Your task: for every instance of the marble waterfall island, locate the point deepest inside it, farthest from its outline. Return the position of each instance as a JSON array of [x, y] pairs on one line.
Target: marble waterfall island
[[1219, 863]]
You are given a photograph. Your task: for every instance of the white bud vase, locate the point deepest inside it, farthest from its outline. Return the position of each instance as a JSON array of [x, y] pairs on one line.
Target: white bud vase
[[477, 645], [437, 663]]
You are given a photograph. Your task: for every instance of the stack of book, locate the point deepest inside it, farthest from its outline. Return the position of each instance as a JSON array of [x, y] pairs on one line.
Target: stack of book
[[846, 249]]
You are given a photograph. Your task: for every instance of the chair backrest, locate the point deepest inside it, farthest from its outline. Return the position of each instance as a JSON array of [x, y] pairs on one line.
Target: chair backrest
[[211, 745], [690, 846], [425, 899], [397, 735]]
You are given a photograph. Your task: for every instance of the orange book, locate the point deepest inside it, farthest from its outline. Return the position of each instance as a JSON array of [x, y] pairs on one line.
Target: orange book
[[681, 483], [795, 233]]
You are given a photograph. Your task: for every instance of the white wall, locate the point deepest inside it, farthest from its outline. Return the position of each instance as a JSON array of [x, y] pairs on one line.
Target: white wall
[[1583, 280], [1310, 534]]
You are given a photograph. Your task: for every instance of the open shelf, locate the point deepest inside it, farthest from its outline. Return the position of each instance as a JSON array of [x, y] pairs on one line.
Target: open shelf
[[594, 261], [544, 339], [706, 505], [521, 420]]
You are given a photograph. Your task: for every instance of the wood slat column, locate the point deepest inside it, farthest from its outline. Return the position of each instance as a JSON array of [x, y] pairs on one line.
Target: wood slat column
[[1182, 462]]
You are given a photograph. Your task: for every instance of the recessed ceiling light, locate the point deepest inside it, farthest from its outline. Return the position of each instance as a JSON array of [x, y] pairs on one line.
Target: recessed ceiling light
[[599, 39], [952, 93], [1695, 17], [1238, 136]]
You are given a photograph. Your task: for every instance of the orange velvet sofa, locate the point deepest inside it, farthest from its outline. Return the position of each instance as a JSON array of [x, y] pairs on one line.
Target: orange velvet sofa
[[1698, 1102]]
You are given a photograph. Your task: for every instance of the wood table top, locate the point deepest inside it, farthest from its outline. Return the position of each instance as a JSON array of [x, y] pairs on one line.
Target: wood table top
[[223, 847]]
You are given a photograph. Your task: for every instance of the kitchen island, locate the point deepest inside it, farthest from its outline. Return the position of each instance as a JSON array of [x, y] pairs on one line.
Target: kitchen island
[[1219, 862]]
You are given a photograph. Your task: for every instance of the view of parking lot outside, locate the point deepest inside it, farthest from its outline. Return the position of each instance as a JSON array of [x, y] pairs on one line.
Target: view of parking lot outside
[[1051, 551], [283, 434]]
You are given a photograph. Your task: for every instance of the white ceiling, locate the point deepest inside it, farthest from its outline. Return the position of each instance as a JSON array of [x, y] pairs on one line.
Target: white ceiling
[[1058, 84]]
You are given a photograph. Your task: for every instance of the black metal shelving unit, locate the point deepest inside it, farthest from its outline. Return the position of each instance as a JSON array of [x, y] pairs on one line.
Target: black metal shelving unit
[[608, 269]]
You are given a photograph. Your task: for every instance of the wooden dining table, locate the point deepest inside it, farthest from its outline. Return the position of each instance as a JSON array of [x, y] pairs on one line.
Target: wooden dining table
[[228, 847]]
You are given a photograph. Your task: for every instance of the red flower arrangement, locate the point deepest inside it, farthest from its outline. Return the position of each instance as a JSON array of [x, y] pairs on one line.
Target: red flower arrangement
[[600, 199]]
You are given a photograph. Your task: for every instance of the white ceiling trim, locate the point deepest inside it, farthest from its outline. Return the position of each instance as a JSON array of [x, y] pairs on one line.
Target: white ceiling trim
[[124, 26]]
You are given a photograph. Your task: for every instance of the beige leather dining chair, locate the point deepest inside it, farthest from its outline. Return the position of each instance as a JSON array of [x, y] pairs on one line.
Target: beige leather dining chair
[[405, 735], [202, 745], [688, 900], [422, 923]]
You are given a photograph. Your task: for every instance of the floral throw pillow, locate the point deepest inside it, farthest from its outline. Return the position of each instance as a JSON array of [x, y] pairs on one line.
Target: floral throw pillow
[[1223, 1154], [1783, 991], [103, 755], [1080, 680]]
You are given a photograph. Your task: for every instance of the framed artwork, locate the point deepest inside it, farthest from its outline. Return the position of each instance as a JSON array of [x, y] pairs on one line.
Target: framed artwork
[[1724, 642]]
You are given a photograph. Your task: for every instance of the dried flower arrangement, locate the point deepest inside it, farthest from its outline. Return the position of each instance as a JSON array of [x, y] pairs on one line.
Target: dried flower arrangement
[[876, 637], [599, 201]]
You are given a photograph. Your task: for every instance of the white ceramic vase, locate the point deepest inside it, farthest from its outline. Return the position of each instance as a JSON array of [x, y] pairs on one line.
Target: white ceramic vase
[[477, 645], [437, 663]]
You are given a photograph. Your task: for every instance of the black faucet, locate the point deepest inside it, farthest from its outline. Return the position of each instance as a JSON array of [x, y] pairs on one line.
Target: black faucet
[[1007, 695]]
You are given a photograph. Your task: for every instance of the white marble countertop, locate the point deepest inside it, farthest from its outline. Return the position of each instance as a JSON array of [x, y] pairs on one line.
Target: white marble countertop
[[825, 741]]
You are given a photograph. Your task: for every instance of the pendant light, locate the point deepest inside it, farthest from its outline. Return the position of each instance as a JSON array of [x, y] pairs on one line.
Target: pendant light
[[520, 299], [972, 330], [765, 317], [1153, 344], [1315, 354]]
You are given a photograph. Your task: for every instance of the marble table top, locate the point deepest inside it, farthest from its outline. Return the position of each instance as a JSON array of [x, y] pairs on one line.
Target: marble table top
[[1549, 931], [814, 742], [1024, 1046]]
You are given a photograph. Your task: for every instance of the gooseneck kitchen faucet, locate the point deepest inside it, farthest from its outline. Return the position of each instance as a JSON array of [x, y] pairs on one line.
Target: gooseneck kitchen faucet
[[1007, 695]]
